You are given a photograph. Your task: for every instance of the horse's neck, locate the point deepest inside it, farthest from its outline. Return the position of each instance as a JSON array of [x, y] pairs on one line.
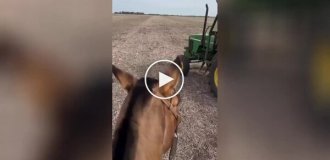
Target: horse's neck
[[140, 133], [150, 129]]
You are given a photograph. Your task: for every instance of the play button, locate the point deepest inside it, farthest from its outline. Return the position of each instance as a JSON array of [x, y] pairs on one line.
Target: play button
[[155, 71], [163, 79]]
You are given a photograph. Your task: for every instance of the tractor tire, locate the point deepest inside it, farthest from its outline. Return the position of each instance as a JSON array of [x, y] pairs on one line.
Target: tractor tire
[[185, 66], [214, 78]]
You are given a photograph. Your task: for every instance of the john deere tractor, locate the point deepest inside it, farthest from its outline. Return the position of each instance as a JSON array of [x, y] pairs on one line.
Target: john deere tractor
[[202, 48]]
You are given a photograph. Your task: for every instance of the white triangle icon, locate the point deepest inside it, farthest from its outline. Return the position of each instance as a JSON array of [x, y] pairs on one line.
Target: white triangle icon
[[163, 79]]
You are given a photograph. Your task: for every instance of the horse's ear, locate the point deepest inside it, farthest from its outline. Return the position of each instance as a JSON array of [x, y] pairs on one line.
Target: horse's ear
[[126, 80], [172, 71]]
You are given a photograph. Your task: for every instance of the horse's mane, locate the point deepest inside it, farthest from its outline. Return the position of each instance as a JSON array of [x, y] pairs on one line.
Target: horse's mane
[[125, 130]]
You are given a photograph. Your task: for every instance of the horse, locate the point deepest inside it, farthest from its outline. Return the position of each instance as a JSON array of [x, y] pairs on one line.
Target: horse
[[146, 126]]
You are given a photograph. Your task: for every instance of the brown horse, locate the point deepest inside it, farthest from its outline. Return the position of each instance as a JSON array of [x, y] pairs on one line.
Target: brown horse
[[146, 125]]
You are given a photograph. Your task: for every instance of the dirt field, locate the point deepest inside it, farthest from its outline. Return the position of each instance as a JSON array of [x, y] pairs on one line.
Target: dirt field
[[137, 42]]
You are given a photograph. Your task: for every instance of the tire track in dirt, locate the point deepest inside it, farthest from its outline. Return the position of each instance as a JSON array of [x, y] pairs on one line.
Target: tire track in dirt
[[157, 38]]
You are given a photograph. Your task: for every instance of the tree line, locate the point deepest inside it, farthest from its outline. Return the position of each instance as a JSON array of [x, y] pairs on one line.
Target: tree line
[[153, 14]]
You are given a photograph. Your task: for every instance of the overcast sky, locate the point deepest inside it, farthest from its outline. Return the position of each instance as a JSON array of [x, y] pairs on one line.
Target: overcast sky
[[177, 7]]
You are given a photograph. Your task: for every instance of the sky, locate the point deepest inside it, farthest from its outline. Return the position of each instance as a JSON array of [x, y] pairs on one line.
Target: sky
[[176, 7]]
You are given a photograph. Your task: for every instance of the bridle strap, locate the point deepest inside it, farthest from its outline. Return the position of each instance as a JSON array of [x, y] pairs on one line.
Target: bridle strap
[[175, 138], [169, 106]]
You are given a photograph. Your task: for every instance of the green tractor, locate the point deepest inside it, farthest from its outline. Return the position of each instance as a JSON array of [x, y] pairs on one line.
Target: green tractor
[[203, 48]]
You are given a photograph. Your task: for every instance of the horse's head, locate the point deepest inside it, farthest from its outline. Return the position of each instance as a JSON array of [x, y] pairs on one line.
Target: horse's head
[[137, 87], [143, 113]]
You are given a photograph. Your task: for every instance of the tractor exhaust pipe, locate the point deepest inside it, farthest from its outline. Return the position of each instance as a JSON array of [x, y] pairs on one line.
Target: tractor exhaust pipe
[[204, 27]]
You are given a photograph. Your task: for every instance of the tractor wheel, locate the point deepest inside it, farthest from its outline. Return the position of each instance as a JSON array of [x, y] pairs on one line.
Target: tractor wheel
[[185, 66], [214, 78]]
